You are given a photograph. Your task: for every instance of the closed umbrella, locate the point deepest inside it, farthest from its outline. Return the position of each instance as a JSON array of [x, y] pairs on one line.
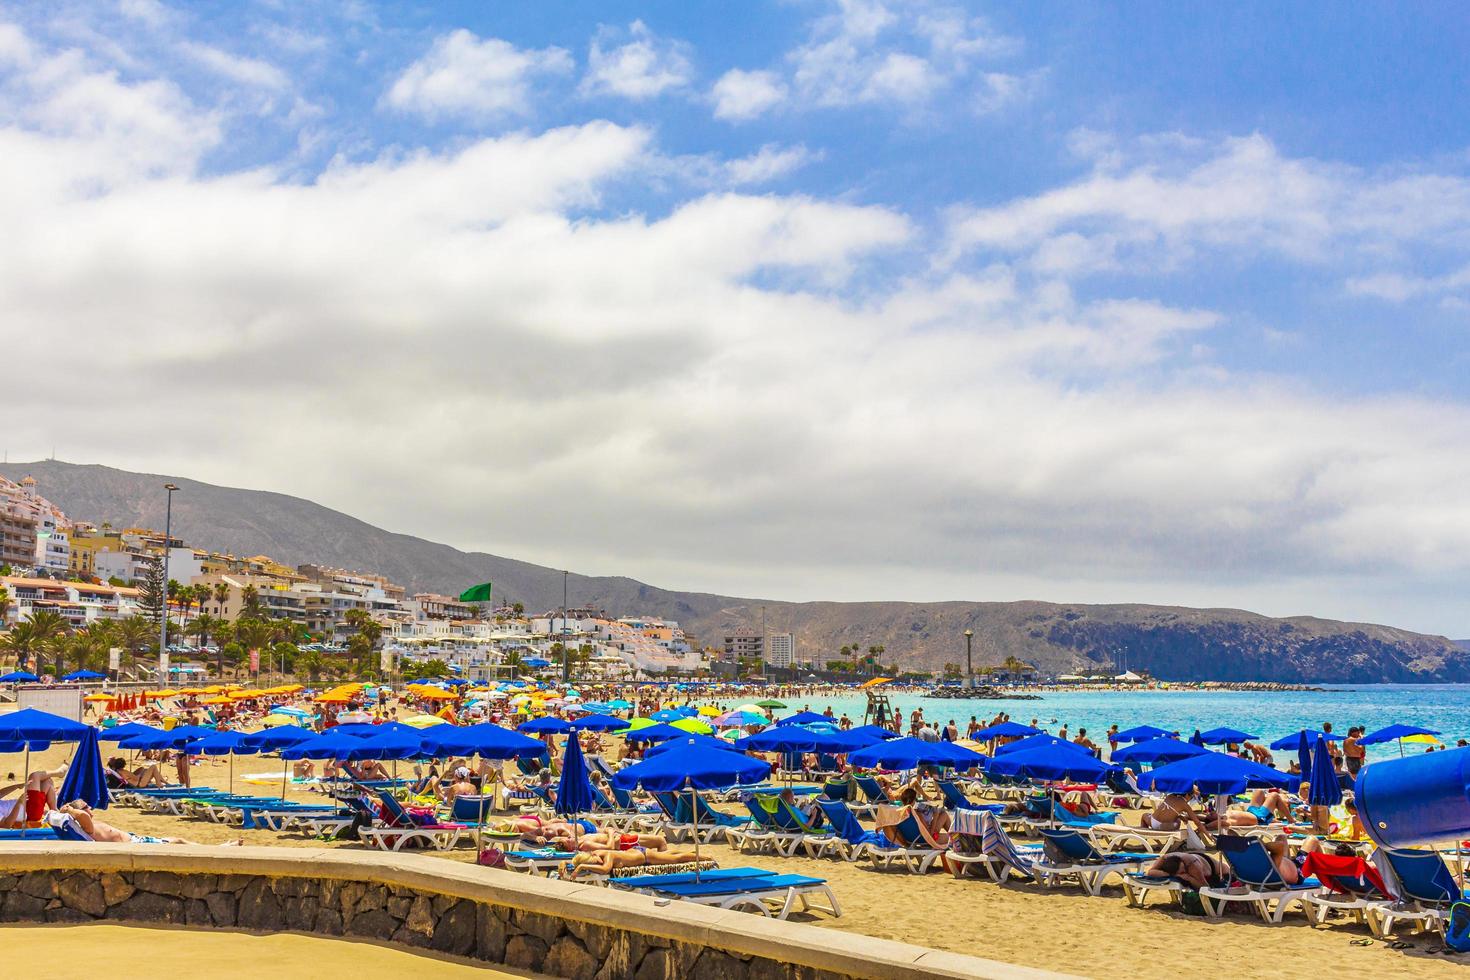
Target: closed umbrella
[[693, 767], [85, 778], [1323, 789], [574, 789]]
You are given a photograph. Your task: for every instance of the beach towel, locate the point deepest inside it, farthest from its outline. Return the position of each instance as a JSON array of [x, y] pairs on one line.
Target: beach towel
[[1349, 875], [994, 841]]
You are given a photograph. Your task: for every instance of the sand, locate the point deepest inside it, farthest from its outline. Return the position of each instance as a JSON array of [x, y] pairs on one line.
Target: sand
[[1061, 929], [129, 952]]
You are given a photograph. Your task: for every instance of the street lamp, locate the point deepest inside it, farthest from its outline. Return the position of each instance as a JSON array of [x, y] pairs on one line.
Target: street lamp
[[565, 667], [969, 670], [168, 520]]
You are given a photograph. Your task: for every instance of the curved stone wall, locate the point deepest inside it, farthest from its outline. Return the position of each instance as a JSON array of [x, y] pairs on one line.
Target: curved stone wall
[[559, 928]]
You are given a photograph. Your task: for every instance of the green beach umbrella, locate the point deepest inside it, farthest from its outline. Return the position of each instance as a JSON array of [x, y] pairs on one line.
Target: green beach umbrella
[[772, 703]]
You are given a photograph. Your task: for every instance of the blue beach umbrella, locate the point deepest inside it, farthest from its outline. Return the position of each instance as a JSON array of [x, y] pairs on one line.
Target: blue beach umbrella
[[875, 731], [1158, 751], [30, 728], [487, 740], [119, 733], [222, 743], [618, 704], [1006, 729], [706, 741], [1213, 773], [1302, 739], [598, 723], [1050, 762], [270, 739], [1222, 736], [692, 767], [388, 745], [332, 745], [1039, 741], [83, 675], [789, 738], [654, 733], [85, 778], [804, 718], [1395, 733], [19, 677], [1323, 789], [548, 725], [1142, 733], [911, 753]]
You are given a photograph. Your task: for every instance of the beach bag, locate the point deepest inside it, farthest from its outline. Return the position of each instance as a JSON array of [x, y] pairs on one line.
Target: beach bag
[[1457, 928], [1190, 903], [491, 857]]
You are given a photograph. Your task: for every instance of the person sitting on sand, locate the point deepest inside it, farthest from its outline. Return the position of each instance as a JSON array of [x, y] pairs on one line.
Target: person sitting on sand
[[304, 769], [119, 776], [606, 862], [106, 833]]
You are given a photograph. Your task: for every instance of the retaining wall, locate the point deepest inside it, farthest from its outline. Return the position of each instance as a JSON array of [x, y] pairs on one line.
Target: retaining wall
[[560, 928]]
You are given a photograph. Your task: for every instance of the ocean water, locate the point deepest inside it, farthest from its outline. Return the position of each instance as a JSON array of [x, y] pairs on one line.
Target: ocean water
[[1445, 707]]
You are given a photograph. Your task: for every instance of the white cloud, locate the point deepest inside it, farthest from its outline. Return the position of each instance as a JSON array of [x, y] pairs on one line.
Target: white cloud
[[642, 67], [998, 91], [149, 12], [464, 75], [770, 162], [236, 68], [1161, 203], [725, 374], [740, 95]]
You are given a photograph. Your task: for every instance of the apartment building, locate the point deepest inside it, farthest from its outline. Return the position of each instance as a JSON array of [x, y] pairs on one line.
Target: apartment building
[[76, 602]]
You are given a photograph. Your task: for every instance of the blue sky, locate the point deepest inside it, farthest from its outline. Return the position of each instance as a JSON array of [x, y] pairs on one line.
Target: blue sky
[[1096, 302]]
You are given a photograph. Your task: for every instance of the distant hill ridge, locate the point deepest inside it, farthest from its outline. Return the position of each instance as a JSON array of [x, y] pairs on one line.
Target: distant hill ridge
[[1172, 642]]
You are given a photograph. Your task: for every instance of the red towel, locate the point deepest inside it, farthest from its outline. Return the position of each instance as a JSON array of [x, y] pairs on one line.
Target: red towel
[[1343, 874]]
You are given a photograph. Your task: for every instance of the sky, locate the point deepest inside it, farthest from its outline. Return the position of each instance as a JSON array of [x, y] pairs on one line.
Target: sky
[[800, 299]]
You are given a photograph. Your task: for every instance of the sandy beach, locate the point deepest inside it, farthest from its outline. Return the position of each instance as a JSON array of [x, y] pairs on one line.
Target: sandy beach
[[1060, 929], [137, 951]]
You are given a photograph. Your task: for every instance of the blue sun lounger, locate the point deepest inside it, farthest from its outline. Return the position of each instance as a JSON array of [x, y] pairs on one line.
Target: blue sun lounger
[[757, 893], [1255, 870], [1074, 856], [853, 841], [1427, 889]]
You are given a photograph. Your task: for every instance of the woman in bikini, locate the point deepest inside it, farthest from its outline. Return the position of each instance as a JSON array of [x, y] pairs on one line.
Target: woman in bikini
[[1196, 869], [605, 862]]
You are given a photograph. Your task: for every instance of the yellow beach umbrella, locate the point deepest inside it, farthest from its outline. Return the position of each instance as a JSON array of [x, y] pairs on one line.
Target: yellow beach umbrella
[[97, 698], [424, 721], [709, 711], [217, 700], [1422, 739], [693, 725]]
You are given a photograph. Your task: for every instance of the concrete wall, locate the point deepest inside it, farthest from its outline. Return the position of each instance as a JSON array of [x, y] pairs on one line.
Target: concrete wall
[[559, 928]]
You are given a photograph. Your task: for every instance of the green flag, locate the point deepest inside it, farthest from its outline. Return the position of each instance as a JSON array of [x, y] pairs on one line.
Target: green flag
[[476, 593]]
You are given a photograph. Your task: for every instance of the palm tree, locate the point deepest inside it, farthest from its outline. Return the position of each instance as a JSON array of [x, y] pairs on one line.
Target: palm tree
[[513, 661], [19, 642], [250, 602], [4, 604], [133, 634], [221, 596], [87, 647], [48, 629]]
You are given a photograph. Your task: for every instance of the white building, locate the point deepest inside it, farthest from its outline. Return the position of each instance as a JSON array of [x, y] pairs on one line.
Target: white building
[[781, 649]]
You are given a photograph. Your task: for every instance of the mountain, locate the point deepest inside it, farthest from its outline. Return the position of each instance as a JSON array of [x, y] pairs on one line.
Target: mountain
[[1172, 642]]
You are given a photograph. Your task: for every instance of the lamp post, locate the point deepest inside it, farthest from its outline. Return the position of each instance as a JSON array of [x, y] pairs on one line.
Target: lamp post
[[565, 668], [969, 670], [168, 520]]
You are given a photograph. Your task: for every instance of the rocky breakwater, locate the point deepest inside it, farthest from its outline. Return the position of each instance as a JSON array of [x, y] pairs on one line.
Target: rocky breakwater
[[979, 694]]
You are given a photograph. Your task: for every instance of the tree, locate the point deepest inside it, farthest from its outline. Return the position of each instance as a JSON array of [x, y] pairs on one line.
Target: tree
[[20, 642], [250, 602], [416, 670], [134, 635], [520, 608], [513, 661], [221, 595], [253, 634], [310, 662], [150, 595], [48, 633], [952, 671], [87, 647], [4, 604]]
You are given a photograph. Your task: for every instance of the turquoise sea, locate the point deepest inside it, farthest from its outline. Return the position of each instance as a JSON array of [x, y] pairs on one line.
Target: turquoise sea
[[1445, 707]]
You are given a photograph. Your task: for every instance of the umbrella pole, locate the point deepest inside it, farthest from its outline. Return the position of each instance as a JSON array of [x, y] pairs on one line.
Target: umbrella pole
[[694, 813], [284, 769], [232, 772], [25, 782]]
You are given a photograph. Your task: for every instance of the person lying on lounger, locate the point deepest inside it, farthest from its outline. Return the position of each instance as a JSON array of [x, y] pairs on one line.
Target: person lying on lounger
[[120, 776], [1193, 868], [106, 833], [32, 806], [609, 840], [605, 862]]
